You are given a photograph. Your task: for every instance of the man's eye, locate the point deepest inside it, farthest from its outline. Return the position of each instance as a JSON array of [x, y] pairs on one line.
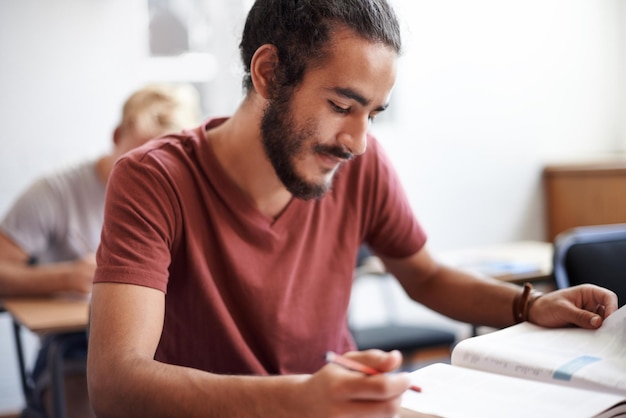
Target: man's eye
[[338, 108]]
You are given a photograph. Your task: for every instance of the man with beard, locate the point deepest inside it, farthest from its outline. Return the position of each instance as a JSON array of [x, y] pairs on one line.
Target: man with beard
[[227, 254]]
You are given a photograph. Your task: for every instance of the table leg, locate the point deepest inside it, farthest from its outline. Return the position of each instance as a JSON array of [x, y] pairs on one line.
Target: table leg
[[20, 358]]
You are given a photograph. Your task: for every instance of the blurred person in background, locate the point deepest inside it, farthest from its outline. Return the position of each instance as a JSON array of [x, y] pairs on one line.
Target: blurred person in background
[[49, 236]]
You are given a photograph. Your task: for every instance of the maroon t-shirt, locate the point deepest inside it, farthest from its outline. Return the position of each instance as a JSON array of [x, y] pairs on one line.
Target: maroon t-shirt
[[245, 293]]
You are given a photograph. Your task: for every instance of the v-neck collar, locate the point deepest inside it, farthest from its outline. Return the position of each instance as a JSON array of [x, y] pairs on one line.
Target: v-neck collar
[[234, 197]]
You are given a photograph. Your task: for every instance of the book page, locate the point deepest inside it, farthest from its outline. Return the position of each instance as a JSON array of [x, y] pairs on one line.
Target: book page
[[449, 391], [593, 359]]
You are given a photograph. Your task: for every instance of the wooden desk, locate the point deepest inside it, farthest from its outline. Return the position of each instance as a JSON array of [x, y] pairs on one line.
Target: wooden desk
[[64, 319], [49, 315], [515, 262]]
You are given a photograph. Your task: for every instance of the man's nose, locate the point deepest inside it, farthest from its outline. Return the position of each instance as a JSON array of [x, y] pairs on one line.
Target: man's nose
[[354, 135]]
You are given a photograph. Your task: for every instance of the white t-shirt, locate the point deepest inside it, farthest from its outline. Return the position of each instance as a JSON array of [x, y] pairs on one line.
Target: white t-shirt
[[59, 217]]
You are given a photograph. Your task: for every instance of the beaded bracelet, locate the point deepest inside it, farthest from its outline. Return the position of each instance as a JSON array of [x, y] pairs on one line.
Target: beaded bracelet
[[523, 301]]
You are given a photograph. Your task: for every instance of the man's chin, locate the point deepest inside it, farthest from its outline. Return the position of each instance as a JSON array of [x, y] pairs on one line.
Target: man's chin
[[310, 190]]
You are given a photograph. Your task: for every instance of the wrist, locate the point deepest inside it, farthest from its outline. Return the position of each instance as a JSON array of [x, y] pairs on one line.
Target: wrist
[[523, 302], [534, 295]]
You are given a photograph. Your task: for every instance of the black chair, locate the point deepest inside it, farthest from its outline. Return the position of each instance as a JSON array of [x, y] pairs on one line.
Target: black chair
[[66, 355], [592, 254], [393, 334]]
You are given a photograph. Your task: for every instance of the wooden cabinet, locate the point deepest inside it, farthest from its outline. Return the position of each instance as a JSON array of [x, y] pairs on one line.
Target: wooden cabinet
[[587, 193]]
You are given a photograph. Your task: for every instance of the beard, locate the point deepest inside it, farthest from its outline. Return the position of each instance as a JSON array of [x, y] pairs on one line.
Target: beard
[[284, 143]]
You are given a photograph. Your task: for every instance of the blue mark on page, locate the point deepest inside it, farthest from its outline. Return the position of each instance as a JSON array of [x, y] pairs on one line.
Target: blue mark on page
[[567, 370]]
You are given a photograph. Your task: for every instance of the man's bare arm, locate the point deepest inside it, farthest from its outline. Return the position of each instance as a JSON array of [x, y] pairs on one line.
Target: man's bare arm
[[125, 380], [482, 300], [18, 278]]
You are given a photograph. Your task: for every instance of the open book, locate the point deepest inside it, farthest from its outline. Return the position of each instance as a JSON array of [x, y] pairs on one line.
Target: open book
[[529, 371]]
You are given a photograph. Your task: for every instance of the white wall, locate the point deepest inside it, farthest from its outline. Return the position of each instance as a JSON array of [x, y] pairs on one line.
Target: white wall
[[621, 86], [488, 91], [66, 67]]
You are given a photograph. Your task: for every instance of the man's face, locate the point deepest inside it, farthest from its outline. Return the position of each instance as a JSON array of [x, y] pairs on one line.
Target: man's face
[[127, 138], [285, 143], [309, 132]]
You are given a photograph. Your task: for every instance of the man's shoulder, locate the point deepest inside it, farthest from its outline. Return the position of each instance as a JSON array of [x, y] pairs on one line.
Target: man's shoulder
[[66, 177], [187, 140], [79, 175], [71, 169]]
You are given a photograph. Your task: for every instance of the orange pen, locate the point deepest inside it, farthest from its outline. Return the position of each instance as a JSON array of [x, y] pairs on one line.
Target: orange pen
[[332, 357]]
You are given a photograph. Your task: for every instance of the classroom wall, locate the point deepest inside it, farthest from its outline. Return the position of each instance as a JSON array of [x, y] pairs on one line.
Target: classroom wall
[[488, 92], [621, 6], [67, 67]]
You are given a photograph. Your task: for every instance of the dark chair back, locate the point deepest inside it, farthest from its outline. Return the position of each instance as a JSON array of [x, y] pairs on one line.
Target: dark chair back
[[592, 254]]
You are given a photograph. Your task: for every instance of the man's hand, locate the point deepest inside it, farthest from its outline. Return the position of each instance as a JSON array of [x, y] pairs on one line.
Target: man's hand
[[584, 306], [337, 392], [80, 276]]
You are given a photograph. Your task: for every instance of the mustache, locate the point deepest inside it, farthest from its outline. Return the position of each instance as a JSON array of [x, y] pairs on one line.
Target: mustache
[[335, 151]]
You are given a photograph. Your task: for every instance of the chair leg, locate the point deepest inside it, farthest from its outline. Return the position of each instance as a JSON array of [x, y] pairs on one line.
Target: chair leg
[[56, 358], [56, 377]]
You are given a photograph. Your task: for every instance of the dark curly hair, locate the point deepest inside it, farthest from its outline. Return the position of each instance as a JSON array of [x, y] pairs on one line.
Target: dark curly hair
[[301, 29]]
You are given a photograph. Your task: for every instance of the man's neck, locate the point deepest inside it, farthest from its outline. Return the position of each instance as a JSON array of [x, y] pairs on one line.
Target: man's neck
[[237, 146], [104, 165]]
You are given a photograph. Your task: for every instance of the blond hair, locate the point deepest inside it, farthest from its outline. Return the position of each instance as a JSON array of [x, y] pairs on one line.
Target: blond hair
[[158, 109]]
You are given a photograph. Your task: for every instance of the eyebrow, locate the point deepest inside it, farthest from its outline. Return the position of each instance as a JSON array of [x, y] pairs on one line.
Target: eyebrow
[[351, 94]]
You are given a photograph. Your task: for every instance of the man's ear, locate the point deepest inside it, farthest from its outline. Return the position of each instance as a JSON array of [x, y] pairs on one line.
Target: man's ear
[[117, 135], [262, 69]]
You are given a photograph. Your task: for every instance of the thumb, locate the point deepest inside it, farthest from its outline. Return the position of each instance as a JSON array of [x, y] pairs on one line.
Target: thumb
[[583, 318]]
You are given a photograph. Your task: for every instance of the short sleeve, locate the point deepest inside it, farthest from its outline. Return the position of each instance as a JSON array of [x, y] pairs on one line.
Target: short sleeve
[[139, 225], [30, 222]]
